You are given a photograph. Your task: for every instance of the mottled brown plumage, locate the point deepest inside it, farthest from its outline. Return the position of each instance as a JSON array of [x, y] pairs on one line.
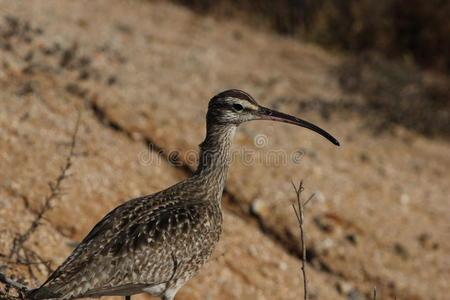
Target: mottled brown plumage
[[156, 243]]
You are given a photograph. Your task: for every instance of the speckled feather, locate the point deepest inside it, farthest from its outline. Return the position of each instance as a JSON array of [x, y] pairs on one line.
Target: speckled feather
[[148, 241], [154, 243]]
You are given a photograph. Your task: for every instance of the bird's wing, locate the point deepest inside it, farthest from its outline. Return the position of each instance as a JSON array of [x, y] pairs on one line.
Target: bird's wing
[[134, 245]]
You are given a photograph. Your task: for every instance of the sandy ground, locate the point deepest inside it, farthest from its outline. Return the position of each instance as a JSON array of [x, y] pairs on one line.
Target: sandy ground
[[142, 73]]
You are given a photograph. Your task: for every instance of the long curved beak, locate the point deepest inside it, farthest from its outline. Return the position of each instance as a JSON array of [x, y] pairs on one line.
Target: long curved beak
[[268, 114]]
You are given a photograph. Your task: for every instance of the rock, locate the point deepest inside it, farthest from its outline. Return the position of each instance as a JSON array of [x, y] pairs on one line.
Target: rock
[[352, 238], [426, 241], [401, 251], [111, 80], [344, 287], [259, 208]]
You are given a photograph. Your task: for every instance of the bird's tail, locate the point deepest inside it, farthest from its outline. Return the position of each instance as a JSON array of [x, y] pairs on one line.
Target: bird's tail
[[41, 293]]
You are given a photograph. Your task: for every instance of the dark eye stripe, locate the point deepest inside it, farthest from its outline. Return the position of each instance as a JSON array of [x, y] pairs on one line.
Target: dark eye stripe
[[238, 107]]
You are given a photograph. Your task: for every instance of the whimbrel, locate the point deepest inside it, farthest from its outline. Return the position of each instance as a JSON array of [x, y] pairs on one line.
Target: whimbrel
[[156, 243]]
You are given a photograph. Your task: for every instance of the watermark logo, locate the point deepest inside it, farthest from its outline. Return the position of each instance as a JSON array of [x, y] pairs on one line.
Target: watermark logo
[[259, 154], [261, 140]]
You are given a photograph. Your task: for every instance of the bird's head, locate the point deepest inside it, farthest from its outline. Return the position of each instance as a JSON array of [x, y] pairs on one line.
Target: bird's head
[[236, 106]]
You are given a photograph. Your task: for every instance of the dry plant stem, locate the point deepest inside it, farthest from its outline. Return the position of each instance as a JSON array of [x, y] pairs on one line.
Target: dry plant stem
[[298, 207], [20, 254], [55, 192]]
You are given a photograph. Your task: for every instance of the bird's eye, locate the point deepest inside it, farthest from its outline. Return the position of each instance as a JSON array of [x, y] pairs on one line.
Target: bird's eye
[[238, 107]]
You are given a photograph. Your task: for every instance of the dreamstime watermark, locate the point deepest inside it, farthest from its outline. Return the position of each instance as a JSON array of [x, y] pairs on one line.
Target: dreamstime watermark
[[244, 155]]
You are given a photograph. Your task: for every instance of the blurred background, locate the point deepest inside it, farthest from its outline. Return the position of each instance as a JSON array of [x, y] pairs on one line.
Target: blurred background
[[373, 73]]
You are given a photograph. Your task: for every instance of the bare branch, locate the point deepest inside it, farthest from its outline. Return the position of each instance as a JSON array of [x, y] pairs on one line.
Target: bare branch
[[309, 199], [298, 206], [55, 192], [21, 255]]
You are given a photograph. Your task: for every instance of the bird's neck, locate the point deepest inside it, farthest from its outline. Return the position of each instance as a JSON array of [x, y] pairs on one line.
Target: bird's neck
[[215, 155]]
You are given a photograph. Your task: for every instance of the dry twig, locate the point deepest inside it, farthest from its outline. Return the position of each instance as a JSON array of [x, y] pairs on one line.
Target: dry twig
[[21, 255], [55, 192], [298, 206]]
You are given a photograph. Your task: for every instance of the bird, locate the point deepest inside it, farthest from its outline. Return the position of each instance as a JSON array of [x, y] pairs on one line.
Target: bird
[[156, 243]]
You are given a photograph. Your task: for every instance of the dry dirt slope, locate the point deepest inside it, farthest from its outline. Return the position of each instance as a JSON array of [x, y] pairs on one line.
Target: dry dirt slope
[[143, 73]]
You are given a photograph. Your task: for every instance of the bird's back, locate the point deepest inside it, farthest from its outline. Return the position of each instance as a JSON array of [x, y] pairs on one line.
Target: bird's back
[[157, 241]]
